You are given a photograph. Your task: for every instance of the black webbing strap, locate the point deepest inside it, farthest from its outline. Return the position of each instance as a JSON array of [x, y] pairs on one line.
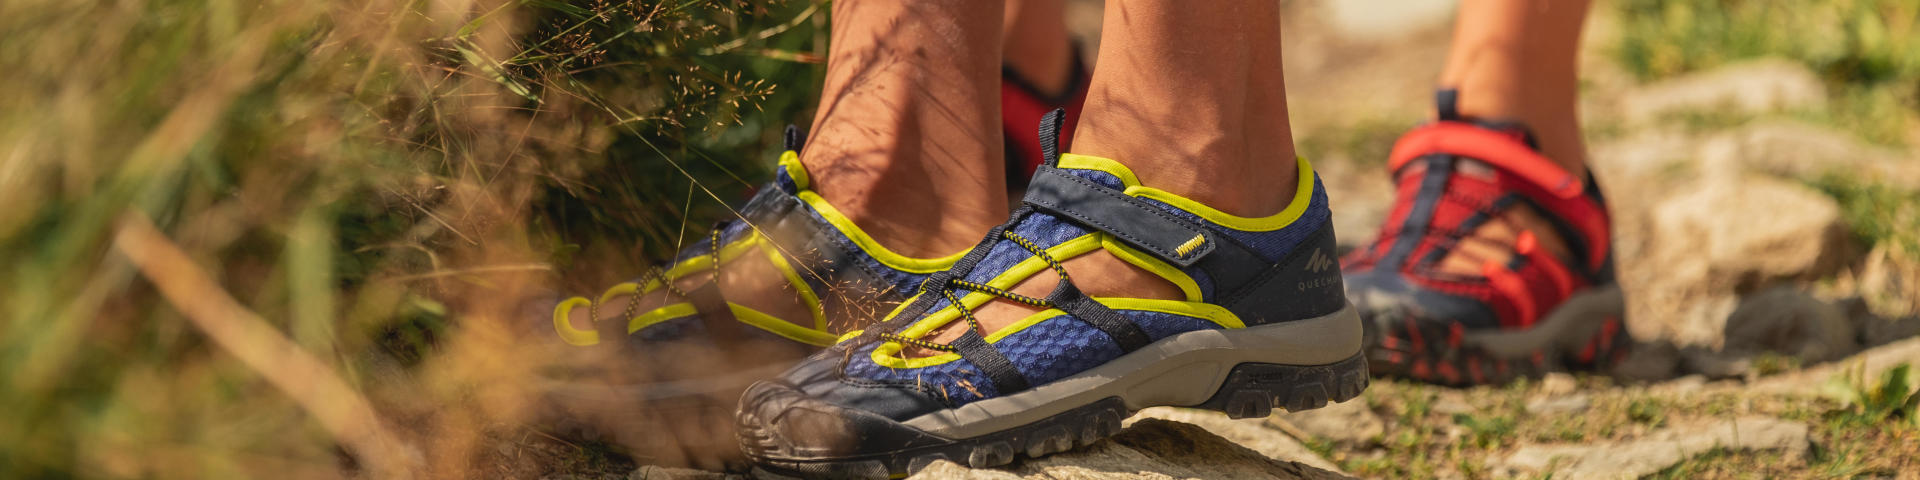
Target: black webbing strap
[[1145, 226], [715, 314], [1050, 126], [976, 350], [1124, 332]]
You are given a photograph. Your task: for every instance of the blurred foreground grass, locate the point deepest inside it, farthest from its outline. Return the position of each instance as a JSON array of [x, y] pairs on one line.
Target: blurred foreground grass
[[380, 181]]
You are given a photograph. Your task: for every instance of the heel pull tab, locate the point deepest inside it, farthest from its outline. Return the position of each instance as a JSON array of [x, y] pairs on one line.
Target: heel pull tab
[[794, 138], [1050, 136], [1447, 102]]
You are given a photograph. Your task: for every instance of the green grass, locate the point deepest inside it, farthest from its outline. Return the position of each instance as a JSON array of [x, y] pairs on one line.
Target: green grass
[[1876, 213], [1866, 51]]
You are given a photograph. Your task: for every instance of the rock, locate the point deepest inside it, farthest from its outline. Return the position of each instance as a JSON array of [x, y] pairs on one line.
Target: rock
[[1874, 330], [1350, 423], [1567, 404], [1870, 363], [1558, 383], [1726, 233], [1748, 228], [1804, 151], [1649, 362], [1757, 86], [1149, 449], [1715, 364], [650, 472], [1658, 450], [1252, 433], [1787, 321]]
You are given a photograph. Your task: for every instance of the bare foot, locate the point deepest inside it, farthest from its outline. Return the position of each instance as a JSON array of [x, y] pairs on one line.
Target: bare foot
[[1494, 241]]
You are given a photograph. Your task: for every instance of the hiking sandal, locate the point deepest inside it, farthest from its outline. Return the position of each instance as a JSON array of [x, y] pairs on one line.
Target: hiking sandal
[[683, 364], [1534, 314], [1263, 325]]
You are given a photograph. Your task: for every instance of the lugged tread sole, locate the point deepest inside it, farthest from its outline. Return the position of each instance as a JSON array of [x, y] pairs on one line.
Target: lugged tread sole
[[1587, 333], [1249, 390]]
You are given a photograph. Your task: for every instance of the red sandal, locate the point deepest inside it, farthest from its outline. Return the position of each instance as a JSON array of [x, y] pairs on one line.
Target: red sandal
[[1533, 314]]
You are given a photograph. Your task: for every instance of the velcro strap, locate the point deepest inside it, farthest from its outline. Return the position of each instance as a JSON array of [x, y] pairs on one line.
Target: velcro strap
[[1124, 332], [1006, 379], [1142, 225]]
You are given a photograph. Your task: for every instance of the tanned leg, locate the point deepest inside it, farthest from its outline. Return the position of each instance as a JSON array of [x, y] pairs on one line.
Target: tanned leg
[[907, 139], [1037, 45], [906, 142], [1190, 96], [1517, 60]]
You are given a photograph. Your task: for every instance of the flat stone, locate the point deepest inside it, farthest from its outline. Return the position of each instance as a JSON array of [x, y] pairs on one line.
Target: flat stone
[[1791, 322], [1252, 433], [1566, 404], [650, 472], [1658, 450], [1756, 86], [1350, 423], [1150, 448]]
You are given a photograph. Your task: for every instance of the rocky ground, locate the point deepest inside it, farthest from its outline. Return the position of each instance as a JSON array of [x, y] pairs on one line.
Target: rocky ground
[[1772, 318]]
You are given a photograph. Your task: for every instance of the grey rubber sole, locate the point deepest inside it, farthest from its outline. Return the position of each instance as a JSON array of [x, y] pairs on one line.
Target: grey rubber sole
[[1247, 372]]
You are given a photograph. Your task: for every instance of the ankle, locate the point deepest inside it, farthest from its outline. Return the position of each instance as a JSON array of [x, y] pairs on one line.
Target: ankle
[[911, 215], [1230, 175]]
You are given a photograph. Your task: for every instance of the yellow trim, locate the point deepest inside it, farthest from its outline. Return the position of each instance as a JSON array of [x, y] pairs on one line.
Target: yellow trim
[[565, 328], [1302, 195], [660, 315], [623, 288], [1214, 313], [807, 297], [816, 336], [884, 355], [1006, 280], [791, 162], [1153, 265], [886, 257], [780, 327]]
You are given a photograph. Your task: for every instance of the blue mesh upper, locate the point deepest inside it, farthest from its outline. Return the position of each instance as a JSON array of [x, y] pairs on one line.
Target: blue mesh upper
[[902, 283], [1050, 350], [1063, 346]]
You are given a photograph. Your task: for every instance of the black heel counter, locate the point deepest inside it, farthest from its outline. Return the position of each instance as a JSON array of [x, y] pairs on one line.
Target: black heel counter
[[1305, 284]]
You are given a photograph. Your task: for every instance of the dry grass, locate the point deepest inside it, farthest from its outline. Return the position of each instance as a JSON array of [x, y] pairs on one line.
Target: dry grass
[[349, 204]]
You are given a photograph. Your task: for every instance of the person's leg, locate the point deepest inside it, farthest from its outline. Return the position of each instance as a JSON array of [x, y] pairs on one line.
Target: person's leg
[[1495, 230], [907, 139], [1516, 60], [1198, 248], [906, 144], [1037, 46], [1042, 72], [1190, 96]]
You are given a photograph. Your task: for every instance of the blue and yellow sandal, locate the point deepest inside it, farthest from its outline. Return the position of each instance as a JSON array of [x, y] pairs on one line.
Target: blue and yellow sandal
[[680, 364], [1264, 324]]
